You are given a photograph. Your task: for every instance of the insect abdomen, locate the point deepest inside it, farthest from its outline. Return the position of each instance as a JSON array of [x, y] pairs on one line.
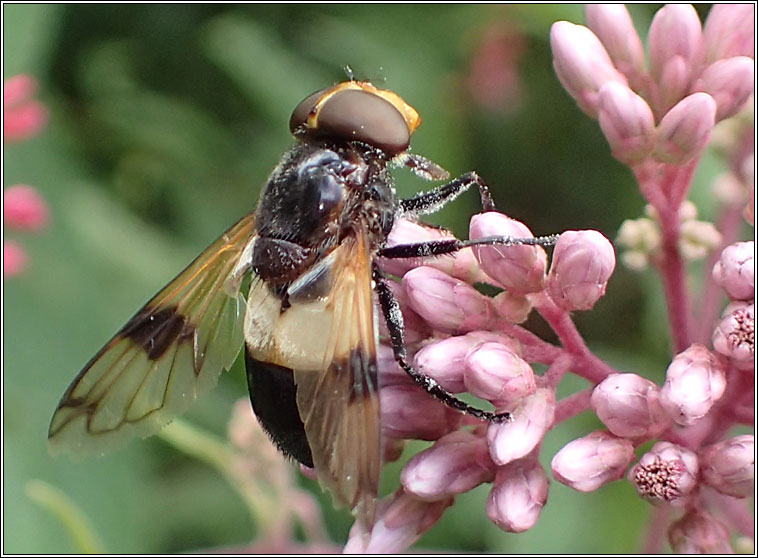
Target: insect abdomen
[[273, 395]]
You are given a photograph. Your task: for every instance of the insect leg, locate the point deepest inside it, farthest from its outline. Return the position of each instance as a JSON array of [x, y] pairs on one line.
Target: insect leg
[[431, 201], [394, 318], [447, 246]]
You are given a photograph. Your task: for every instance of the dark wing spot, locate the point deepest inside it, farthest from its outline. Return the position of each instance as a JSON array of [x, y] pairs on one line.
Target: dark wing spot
[[157, 331], [363, 371]]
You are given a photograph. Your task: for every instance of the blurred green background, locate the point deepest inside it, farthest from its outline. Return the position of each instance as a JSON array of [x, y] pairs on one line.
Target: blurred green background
[[165, 121]]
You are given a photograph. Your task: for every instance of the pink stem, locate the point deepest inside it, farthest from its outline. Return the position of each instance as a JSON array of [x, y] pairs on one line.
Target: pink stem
[[673, 276], [585, 363], [572, 406], [664, 187], [736, 512], [739, 385], [553, 376], [656, 533], [535, 349], [680, 182], [744, 415]]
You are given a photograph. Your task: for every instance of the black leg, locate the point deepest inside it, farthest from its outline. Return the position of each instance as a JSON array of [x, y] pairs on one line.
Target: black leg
[[432, 201], [394, 318], [448, 246]]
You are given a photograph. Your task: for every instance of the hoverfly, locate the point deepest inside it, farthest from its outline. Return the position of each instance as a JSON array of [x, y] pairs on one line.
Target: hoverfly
[[307, 321]]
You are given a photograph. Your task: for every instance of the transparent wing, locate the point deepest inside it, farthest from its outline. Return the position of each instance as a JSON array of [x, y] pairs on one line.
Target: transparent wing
[[170, 352], [327, 337]]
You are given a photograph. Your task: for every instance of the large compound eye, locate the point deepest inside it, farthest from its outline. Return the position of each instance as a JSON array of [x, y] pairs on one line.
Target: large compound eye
[[304, 109], [362, 116], [356, 111]]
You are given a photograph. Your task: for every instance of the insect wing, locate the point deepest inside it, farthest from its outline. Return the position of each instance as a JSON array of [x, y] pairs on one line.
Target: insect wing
[[327, 337], [170, 352]]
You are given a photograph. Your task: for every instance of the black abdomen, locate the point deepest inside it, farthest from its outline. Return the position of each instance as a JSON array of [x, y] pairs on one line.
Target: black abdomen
[[273, 395]]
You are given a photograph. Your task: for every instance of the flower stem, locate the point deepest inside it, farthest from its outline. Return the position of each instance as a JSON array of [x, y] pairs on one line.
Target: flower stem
[[656, 532], [584, 362], [535, 349], [739, 386], [555, 373], [665, 187], [673, 277], [572, 405], [737, 513]]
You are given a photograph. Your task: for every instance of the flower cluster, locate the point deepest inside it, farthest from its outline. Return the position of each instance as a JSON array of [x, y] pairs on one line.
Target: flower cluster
[[24, 208], [469, 342], [658, 120]]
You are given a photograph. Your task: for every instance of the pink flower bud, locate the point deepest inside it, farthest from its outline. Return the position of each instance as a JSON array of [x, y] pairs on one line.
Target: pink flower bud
[[448, 304], [629, 406], [511, 343], [520, 269], [684, 131], [14, 259], [416, 328], [583, 261], [699, 533], [588, 463], [735, 271], [694, 382], [390, 373], [445, 360], [401, 520], [518, 495], [24, 208], [673, 84], [613, 26], [495, 373], [675, 31], [735, 335], [409, 412], [729, 31], [455, 464], [23, 116], [405, 231], [665, 474], [581, 63], [626, 121], [532, 418], [512, 307], [730, 83], [461, 265], [729, 466]]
